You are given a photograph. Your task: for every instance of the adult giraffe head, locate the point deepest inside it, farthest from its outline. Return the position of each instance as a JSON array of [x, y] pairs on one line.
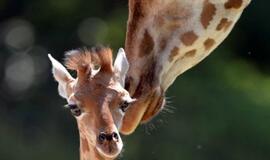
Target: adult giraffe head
[[96, 98]]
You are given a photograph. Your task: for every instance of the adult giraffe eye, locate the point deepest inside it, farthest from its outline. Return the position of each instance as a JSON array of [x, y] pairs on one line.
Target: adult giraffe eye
[[74, 109], [124, 106]]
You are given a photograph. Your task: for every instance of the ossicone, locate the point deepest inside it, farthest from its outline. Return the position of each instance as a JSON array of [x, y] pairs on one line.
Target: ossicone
[[84, 61], [80, 61]]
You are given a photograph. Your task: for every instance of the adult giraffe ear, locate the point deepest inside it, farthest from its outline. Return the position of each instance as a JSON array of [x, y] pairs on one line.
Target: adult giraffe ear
[[62, 76], [121, 66]]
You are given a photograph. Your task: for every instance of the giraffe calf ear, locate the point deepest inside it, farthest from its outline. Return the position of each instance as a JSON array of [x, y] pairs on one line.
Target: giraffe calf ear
[[121, 66], [62, 76]]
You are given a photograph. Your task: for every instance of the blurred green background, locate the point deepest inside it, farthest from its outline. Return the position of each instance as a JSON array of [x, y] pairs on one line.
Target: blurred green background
[[218, 110]]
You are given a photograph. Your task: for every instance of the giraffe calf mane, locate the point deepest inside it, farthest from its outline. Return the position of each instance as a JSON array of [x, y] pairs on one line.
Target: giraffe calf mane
[[77, 59], [81, 59]]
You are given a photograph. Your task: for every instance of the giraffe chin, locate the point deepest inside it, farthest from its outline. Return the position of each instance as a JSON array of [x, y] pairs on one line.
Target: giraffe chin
[[110, 150]]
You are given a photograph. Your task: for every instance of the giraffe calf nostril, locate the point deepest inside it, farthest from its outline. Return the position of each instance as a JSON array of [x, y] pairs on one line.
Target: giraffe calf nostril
[[108, 137], [102, 137], [115, 136]]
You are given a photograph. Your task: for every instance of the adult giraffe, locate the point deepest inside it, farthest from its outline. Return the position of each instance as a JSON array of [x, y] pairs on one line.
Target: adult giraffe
[[164, 39]]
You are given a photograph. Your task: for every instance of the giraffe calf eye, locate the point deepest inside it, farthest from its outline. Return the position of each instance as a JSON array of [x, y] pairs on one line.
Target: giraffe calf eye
[[74, 109]]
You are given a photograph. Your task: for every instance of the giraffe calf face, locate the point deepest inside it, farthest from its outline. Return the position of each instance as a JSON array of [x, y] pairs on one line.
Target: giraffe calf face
[[101, 106], [96, 98]]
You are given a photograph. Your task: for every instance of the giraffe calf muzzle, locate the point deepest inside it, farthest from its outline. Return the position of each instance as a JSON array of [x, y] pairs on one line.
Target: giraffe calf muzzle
[[109, 144]]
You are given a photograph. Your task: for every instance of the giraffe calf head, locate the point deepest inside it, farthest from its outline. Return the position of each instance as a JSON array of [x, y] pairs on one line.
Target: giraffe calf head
[[96, 98]]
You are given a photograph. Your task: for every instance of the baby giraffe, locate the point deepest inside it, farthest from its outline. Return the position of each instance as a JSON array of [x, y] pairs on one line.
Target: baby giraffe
[[96, 98]]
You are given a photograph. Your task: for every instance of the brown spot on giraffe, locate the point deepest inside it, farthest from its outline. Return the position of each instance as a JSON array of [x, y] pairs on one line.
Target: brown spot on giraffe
[[189, 38], [208, 44], [148, 79], [209, 10], [174, 52], [162, 44], [224, 24], [85, 146], [147, 44], [136, 17], [233, 4], [190, 53]]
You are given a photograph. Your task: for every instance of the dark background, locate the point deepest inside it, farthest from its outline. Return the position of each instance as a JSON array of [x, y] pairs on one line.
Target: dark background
[[218, 110]]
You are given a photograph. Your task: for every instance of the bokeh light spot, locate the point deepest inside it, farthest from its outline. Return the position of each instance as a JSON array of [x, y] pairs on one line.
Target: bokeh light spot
[[19, 73], [19, 35]]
